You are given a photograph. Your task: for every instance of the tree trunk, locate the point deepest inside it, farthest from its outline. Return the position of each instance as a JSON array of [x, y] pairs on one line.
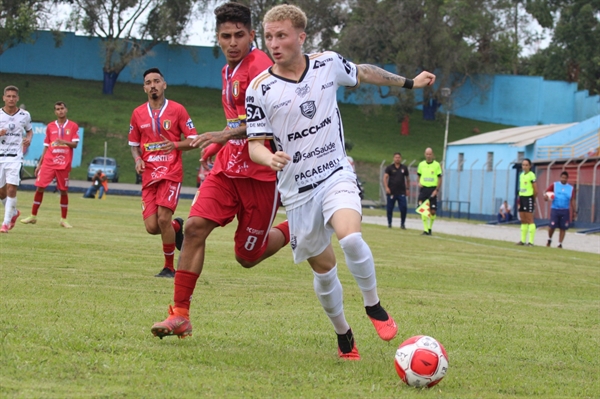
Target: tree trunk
[[110, 79]]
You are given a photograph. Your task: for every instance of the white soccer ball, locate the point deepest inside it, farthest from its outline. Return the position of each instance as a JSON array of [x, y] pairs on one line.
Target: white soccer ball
[[421, 361], [549, 195]]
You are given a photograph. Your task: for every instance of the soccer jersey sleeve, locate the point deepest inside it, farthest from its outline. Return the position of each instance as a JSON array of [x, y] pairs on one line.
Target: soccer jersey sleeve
[[185, 124], [28, 123], [258, 125], [47, 141], [134, 132], [346, 71]]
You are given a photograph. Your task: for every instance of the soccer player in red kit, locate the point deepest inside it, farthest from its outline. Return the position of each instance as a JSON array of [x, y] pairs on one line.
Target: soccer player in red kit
[[155, 139], [236, 186], [61, 139]]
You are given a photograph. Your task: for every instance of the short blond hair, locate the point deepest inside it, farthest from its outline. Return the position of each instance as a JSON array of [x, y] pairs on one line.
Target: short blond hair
[[284, 12], [11, 88]]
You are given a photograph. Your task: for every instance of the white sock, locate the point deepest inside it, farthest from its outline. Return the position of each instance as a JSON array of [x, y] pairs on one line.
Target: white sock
[[330, 293], [3, 201], [10, 208], [362, 266]]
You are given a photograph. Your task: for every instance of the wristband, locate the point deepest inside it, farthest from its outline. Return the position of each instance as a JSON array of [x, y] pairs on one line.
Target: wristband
[[408, 83], [138, 159], [176, 145]]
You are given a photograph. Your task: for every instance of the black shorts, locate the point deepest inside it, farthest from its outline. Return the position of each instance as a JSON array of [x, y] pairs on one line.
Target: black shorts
[[425, 193], [526, 204]]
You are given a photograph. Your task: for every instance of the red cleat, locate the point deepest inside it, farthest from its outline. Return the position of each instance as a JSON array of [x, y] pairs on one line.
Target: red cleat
[[175, 324], [382, 321], [13, 220], [347, 347]]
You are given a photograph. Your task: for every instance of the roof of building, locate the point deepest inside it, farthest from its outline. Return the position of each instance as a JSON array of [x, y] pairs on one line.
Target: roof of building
[[515, 136]]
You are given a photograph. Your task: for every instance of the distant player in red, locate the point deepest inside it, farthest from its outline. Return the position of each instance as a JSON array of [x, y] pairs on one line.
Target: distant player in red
[[236, 186], [61, 139], [155, 139]]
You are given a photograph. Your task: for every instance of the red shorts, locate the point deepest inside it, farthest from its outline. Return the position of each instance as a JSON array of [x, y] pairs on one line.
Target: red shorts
[[163, 193], [254, 202], [46, 175]]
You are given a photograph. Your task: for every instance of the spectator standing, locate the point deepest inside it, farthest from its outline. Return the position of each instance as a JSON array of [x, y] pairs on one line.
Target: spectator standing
[[562, 204], [396, 184], [61, 139]]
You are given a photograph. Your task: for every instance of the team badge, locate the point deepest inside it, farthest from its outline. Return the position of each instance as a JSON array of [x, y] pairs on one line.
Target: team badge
[[236, 89], [308, 109], [167, 124], [68, 131]]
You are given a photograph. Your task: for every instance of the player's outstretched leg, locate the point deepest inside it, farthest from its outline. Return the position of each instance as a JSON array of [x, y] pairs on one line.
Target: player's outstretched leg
[[178, 324]]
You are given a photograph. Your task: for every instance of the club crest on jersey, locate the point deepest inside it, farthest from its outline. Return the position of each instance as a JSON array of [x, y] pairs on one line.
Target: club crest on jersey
[[236, 89], [68, 131], [308, 109], [167, 124]]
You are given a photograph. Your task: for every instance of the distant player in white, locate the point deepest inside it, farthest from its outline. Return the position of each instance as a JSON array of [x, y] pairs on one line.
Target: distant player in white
[[294, 104], [14, 124]]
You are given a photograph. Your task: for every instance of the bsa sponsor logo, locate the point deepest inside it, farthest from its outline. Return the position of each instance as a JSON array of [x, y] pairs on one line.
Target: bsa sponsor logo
[[347, 66], [307, 174], [236, 89], [302, 91], [311, 130], [327, 85], [283, 104], [317, 152], [189, 124], [266, 87], [320, 64], [166, 124], [254, 113], [308, 109], [158, 158]]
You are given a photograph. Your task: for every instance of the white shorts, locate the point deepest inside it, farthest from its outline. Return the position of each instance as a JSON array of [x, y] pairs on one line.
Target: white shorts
[[10, 172], [310, 231]]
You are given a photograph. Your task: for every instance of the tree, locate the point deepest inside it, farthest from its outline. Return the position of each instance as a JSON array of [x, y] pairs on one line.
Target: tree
[[574, 53], [129, 29], [18, 21], [456, 39]]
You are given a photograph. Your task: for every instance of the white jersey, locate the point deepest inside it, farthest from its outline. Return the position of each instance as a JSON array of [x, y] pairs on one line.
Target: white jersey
[[11, 144], [304, 121]]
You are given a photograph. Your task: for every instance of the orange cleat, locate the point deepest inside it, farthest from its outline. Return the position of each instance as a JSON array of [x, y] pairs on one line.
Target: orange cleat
[[347, 347], [13, 220], [382, 321], [176, 324]]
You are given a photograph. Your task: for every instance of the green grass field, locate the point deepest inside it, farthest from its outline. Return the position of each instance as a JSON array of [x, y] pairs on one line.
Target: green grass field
[[373, 130], [77, 306]]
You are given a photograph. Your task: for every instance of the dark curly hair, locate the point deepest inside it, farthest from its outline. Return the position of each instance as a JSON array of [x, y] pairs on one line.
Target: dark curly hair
[[234, 12]]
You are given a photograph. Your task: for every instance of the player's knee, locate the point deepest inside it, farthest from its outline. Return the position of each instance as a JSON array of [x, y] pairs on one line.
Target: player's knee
[[197, 230], [246, 264]]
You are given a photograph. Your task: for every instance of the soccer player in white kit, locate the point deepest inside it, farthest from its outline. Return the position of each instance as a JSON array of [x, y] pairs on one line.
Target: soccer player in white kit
[[14, 123], [294, 104]]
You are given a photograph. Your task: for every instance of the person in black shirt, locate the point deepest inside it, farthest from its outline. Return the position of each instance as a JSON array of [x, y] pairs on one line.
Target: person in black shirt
[[396, 184]]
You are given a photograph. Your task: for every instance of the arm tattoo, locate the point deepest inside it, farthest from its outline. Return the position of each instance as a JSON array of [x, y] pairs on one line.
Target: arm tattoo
[[374, 74]]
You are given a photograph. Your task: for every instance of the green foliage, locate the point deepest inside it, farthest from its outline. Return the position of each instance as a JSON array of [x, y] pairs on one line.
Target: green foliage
[[18, 21], [77, 306]]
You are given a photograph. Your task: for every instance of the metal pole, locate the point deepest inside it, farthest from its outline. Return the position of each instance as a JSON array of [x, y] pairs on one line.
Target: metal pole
[[593, 219], [446, 136], [482, 183], [494, 187], [471, 182], [508, 179], [382, 193], [412, 193], [446, 183], [105, 151], [459, 171]]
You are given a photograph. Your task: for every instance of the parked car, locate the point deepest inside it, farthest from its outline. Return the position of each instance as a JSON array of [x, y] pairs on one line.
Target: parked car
[[108, 166]]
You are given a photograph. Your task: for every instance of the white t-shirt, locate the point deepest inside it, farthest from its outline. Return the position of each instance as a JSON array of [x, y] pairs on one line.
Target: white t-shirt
[[304, 121], [11, 144], [504, 209]]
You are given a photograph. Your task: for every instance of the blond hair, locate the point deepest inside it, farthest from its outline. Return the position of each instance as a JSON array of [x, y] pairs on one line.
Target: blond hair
[[284, 12], [11, 88]]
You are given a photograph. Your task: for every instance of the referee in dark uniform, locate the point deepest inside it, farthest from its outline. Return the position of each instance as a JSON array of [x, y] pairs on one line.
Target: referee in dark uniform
[[396, 184]]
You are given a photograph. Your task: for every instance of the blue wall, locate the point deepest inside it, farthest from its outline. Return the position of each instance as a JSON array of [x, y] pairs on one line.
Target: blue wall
[[507, 99]]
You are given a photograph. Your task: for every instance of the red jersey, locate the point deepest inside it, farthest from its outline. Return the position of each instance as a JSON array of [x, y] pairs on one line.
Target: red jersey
[[233, 159], [147, 126], [59, 157]]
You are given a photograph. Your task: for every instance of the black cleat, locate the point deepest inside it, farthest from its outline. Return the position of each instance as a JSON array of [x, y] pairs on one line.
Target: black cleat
[[549, 243], [403, 227], [520, 243], [559, 246], [425, 233], [179, 234], [166, 272], [529, 244]]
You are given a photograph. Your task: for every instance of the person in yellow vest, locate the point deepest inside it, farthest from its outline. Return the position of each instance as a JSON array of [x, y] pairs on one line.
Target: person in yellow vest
[[430, 181], [527, 193]]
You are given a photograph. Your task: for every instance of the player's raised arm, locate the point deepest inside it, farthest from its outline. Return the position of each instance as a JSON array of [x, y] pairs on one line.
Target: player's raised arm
[[375, 75]]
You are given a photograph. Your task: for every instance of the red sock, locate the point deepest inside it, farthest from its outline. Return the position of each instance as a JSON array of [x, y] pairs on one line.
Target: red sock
[[185, 282], [169, 251], [37, 201], [285, 229], [176, 226], [64, 205]]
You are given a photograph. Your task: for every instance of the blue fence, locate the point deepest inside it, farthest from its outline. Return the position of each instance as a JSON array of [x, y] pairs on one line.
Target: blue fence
[[507, 99]]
